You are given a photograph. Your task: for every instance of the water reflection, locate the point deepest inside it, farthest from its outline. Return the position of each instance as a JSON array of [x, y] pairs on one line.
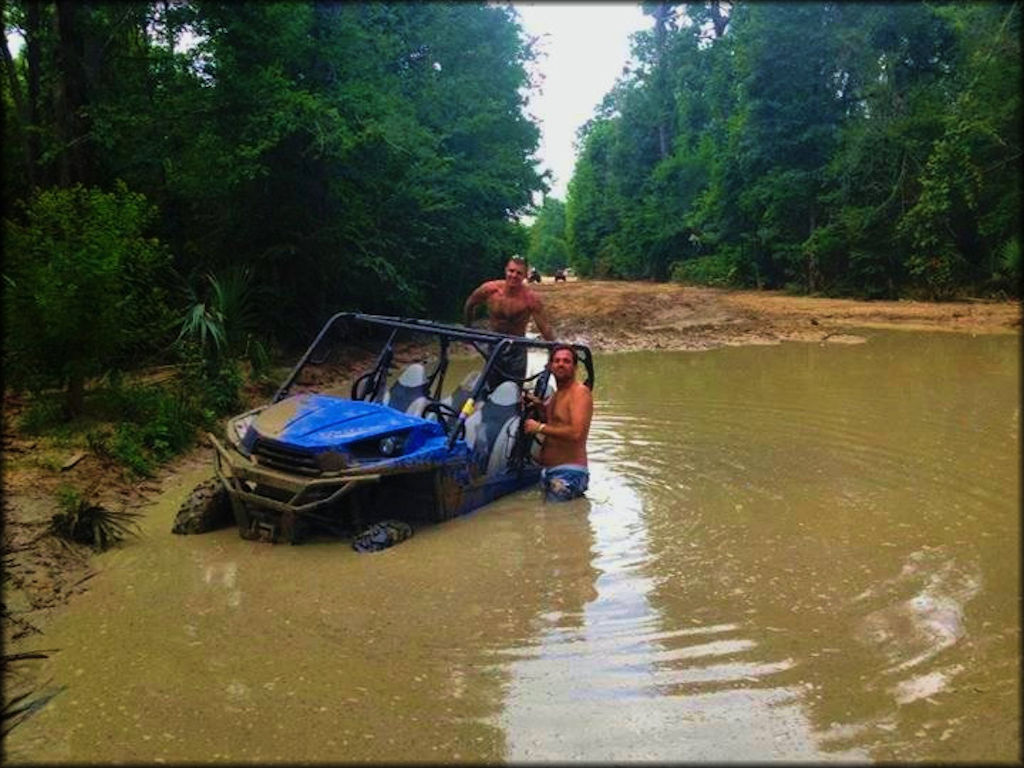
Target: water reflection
[[628, 685]]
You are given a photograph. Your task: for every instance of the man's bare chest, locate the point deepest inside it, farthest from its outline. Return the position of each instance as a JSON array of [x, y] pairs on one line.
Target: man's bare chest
[[560, 411], [504, 306]]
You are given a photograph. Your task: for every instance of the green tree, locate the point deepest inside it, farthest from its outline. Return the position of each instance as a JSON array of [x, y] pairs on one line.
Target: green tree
[[591, 214], [548, 250], [397, 152], [83, 288], [348, 153], [827, 147], [967, 214]]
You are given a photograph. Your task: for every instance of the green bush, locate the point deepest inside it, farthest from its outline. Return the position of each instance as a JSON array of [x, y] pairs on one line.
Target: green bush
[[159, 421], [83, 288], [1008, 271], [719, 269], [42, 415], [129, 448], [222, 320]]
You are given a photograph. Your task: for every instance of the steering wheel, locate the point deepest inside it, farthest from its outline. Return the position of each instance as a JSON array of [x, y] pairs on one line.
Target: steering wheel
[[525, 442], [446, 415]]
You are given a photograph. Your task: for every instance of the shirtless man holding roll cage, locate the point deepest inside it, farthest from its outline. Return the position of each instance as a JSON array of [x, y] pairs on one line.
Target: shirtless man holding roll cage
[[564, 429], [510, 305]]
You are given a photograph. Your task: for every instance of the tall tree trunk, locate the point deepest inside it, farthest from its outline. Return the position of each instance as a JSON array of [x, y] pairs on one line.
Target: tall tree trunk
[[33, 60], [662, 15], [812, 259], [718, 19], [74, 399], [12, 80], [170, 31], [70, 97], [20, 104]]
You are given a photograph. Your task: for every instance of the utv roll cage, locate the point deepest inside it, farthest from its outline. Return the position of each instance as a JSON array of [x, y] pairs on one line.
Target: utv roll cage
[[489, 344]]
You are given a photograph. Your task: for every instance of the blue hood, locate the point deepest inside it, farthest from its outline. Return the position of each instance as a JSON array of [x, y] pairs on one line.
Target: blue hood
[[322, 421]]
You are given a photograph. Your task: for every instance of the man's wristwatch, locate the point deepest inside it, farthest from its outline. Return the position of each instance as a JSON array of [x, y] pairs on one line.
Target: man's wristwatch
[[540, 429]]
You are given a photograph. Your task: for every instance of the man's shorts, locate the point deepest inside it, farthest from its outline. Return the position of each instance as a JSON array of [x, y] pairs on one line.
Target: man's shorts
[[564, 482]]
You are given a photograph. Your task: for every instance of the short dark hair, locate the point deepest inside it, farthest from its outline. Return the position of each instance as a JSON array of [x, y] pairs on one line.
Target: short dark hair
[[560, 347]]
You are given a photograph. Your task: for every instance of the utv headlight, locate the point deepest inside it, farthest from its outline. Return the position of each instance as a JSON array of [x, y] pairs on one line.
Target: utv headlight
[[237, 429], [390, 445], [373, 449]]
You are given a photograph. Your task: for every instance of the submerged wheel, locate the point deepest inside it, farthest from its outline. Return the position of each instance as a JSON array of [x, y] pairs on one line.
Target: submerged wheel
[[206, 509]]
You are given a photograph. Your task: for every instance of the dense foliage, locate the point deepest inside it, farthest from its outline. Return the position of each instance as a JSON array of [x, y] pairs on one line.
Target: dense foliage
[[548, 250], [841, 148], [193, 182], [83, 291], [352, 156]]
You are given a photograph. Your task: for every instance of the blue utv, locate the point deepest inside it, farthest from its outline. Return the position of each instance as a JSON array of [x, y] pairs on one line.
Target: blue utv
[[400, 445]]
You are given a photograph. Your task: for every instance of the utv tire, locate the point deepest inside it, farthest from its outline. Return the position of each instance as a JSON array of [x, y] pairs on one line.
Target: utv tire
[[206, 509]]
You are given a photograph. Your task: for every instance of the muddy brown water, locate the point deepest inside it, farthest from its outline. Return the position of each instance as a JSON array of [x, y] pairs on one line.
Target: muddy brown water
[[793, 552]]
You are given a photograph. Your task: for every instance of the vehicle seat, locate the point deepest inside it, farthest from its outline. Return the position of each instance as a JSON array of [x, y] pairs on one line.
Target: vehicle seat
[[409, 392], [491, 430], [461, 393]]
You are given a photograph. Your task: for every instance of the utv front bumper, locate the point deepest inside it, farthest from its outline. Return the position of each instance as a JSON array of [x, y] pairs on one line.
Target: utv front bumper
[[255, 490]]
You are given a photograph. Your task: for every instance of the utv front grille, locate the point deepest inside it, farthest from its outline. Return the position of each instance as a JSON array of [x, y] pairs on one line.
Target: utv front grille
[[282, 457]]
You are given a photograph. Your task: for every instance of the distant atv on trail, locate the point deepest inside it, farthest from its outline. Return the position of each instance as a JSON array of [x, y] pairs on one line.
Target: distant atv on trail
[[399, 445], [534, 275], [560, 275]]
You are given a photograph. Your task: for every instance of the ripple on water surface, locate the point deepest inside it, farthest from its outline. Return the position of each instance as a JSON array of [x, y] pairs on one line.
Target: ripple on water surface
[[794, 544]]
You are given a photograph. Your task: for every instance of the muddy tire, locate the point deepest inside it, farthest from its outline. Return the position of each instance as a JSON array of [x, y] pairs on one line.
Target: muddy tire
[[382, 535], [206, 509]]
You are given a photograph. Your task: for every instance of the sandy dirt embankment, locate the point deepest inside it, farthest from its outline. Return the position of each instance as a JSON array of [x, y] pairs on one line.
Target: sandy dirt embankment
[[613, 315], [42, 574]]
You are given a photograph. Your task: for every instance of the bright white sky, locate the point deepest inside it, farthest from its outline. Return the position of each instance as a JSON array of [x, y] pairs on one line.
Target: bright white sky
[[586, 46]]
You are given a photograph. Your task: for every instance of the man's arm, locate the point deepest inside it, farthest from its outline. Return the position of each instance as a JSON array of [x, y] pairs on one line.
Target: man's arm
[[479, 296]]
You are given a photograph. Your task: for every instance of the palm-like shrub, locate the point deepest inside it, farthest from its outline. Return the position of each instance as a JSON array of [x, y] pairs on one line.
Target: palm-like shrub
[[222, 319], [22, 704], [84, 522]]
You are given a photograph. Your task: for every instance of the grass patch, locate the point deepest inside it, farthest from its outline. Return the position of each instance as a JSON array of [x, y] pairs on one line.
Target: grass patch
[[718, 270], [138, 425], [49, 462], [43, 416]]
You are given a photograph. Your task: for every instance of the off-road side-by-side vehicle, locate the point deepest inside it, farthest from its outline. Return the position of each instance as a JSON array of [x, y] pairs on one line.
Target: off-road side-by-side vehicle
[[400, 445]]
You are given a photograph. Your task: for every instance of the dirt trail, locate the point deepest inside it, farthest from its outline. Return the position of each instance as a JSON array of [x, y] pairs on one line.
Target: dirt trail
[[42, 574], [638, 315]]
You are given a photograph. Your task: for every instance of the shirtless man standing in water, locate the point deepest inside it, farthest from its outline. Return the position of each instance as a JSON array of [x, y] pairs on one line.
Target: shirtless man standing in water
[[510, 304], [566, 425]]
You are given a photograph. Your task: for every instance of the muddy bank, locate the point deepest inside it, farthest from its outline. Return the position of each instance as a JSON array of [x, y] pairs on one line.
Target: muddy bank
[[42, 573], [619, 316]]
